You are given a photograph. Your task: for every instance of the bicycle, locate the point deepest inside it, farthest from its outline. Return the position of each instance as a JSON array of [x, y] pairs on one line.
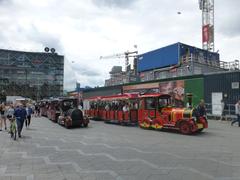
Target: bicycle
[[13, 128]]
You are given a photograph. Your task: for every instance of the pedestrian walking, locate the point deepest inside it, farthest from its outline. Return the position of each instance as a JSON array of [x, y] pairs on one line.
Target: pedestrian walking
[[3, 116], [237, 112], [33, 109], [10, 112], [29, 115], [20, 114], [37, 110], [223, 109]]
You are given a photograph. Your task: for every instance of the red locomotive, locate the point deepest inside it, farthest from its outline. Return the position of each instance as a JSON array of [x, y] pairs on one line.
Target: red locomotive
[[152, 111]]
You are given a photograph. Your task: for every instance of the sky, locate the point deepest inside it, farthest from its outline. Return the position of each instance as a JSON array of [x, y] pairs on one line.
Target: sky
[[84, 30]]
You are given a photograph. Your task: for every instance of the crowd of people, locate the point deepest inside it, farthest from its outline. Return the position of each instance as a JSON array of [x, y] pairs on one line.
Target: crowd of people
[[21, 113]]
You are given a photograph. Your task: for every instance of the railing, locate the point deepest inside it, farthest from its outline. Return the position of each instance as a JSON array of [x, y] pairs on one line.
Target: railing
[[187, 67], [229, 111], [234, 65]]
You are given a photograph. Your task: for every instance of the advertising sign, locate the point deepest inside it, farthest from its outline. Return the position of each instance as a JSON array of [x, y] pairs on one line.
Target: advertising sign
[[140, 87], [210, 34], [175, 89], [205, 35]]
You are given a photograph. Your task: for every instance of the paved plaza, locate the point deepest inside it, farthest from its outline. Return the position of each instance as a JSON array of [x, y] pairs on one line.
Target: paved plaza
[[106, 152]]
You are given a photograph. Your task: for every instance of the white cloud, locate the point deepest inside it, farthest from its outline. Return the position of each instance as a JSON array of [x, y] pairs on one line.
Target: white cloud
[[84, 30]]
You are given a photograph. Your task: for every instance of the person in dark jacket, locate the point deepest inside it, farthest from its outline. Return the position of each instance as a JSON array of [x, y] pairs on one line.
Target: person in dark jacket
[[201, 108], [20, 114], [29, 115]]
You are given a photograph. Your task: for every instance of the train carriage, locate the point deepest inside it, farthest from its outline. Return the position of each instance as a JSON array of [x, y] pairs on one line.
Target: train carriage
[[111, 108], [43, 105], [53, 110], [120, 108], [91, 107]]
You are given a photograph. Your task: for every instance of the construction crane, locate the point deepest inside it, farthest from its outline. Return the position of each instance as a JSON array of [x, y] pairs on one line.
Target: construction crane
[[125, 55], [207, 8]]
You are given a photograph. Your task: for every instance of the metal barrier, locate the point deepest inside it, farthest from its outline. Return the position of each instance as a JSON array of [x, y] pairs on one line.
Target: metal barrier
[[229, 111]]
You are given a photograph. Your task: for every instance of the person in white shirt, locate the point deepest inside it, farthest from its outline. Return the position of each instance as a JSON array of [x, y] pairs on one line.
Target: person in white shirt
[[125, 108], [107, 108], [29, 115], [237, 112], [10, 112]]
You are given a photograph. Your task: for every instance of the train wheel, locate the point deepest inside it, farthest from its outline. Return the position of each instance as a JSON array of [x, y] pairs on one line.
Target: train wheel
[[185, 128], [147, 125], [144, 125], [65, 124]]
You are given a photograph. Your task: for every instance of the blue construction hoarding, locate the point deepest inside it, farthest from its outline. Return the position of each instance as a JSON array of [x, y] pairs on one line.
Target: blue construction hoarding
[[172, 55], [159, 58]]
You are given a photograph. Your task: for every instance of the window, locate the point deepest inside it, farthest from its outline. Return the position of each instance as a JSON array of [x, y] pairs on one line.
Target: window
[[151, 103], [134, 104], [163, 102]]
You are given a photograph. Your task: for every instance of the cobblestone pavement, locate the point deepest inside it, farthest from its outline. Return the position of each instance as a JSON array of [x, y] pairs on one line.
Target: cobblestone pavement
[[105, 151]]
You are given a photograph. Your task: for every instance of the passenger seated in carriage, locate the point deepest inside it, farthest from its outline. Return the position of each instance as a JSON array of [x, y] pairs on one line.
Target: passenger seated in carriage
[[125, 108]]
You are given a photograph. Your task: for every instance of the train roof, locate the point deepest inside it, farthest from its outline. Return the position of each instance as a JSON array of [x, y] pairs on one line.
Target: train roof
[[121, 96], [93, 98], [21, 99], [128, 96], [67, 98], [155, 95]]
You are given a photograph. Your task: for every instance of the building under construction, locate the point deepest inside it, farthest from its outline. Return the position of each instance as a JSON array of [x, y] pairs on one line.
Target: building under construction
[[171, 61], [178, 60], [118, 76], [31, 74]]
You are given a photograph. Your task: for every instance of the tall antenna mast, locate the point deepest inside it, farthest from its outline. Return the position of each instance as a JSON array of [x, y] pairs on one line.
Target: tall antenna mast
[[207, 8]]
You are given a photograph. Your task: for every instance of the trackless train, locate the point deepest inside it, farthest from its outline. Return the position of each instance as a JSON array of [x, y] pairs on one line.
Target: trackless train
[[64, 111], [150, 111]]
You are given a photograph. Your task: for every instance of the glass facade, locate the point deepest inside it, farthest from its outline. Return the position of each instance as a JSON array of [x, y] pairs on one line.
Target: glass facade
[[30, 74]]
